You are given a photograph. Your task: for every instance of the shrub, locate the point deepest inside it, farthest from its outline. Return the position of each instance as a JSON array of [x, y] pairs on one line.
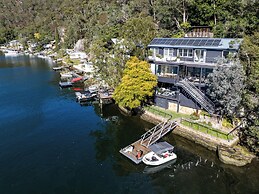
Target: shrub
[[195, 116]]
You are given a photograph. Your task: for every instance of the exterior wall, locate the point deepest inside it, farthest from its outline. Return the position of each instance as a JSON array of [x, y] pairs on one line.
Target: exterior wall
[[161, 102], [212, 55], [182, 109]]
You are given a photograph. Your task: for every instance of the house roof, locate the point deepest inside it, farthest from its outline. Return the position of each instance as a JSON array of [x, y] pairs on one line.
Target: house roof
[[211, 43]]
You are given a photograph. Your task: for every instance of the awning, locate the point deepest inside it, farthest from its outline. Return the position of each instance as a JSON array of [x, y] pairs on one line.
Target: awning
[[161, 147]]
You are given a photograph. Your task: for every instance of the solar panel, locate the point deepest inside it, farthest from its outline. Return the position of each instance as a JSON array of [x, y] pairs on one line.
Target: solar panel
[[191, 41], [173, 41], [202, 42], [208, 43], [216, 43], [196, 42], [186, 41]]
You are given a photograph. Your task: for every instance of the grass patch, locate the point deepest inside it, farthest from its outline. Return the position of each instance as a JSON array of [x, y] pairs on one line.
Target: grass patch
[[206, 129], [165, 113]]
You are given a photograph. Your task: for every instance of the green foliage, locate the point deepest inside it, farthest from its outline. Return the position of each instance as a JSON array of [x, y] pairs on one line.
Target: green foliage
[[249, 55], [225, 87], [227, 123], [195, 116], [137, 84]]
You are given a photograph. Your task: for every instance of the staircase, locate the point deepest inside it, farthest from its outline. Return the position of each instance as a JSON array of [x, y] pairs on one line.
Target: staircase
[[154, 134], [203, 100]]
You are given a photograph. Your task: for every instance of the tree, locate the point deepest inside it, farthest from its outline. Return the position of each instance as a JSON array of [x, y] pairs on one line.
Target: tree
[[140, 31], [249, 55], [137, 84], [109, 60], [225, 87]]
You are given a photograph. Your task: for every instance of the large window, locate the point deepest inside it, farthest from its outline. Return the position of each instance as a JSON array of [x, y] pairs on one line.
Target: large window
[[155, 51], [199, 55], [185, 52], [166, 70], [168, 52]]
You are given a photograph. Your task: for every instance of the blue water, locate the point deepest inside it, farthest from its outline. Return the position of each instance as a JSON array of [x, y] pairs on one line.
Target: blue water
[[51, 144]]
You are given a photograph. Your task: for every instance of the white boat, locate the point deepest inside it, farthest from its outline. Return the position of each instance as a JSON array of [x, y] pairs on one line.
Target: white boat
[[93, 88], [11, 53], [161, 153], [66, 74]]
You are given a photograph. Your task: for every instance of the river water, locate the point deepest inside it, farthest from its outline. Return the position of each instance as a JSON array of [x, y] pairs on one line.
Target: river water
[[51, 144]]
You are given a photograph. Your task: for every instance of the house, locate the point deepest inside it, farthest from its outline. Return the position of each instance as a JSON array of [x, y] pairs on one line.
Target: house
[[78, 55], [182, 66]]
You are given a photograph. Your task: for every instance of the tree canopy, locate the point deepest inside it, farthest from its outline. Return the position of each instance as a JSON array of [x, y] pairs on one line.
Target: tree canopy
[[136, 85], [225, 87]]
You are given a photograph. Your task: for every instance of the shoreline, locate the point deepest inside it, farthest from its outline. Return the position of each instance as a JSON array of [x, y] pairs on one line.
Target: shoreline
[[228, 152]]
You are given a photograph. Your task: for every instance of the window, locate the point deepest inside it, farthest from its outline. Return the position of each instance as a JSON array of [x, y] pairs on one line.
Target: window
[[155, 51], [185, 52], [199, 55], [168, 52]]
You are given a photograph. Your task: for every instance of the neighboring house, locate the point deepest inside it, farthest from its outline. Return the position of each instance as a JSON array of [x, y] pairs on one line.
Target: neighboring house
[[86, 67], [15, 44], [182, 66], [78, 55]]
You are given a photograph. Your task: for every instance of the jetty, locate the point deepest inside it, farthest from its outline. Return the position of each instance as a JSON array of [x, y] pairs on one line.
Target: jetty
[[139, 148]]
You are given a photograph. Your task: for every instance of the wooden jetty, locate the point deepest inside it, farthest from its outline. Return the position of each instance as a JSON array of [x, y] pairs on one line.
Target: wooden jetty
[[147, 139]]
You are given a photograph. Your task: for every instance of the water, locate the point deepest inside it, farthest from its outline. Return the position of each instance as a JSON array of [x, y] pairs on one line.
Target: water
[[51, 144]]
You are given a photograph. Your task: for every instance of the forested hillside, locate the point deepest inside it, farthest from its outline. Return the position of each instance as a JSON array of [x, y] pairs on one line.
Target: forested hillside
[[107, 18]]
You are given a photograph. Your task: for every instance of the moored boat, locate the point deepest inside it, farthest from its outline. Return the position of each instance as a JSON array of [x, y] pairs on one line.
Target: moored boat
[[65, 84], [161, 153]]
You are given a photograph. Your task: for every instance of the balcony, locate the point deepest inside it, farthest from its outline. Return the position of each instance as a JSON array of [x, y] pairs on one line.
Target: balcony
[[209, 62]]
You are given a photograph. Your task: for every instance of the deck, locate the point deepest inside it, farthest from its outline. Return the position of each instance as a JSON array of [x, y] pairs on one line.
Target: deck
[[146, 140], [132, 155]]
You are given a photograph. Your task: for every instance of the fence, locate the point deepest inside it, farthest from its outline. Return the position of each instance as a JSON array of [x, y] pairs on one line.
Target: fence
[[206, 129], [158, 112]]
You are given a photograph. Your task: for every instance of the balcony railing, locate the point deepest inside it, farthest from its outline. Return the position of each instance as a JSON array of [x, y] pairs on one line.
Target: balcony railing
[[212, 61]]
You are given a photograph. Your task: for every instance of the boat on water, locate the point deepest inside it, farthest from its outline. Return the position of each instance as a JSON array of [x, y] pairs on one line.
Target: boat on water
[[66, 74], [154, 169], [161, 153], [58, 68], [85, 96], [93, 88], [77, 79], [10, 53], [65, 84]]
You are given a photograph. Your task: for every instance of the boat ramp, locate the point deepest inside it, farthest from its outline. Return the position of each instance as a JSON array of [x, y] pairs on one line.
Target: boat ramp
[[138, 149]]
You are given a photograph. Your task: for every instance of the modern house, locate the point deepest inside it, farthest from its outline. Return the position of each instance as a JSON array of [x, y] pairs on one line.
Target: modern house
[[182, 66]]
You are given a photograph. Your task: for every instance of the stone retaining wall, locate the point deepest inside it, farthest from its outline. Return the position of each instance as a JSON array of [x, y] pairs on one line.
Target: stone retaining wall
[[203, 139]]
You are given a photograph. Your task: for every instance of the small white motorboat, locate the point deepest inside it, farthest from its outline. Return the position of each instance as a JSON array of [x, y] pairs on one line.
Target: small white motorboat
[[161, 153], [66, 74]]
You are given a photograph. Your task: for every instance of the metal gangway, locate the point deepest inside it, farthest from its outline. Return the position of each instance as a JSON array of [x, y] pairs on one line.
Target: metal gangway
[[147, 139], [157, 132], [201, 98]]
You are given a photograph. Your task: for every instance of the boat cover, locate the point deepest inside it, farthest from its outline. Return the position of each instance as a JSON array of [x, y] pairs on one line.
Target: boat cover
[[77, 79], [161, 147]]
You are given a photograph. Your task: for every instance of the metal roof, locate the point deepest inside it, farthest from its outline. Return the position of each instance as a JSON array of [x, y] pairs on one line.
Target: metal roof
[[212, 43], [161, 147]]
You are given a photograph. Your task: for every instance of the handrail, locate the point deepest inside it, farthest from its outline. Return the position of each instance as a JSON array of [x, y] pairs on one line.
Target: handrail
[[193, 86], [198, 95], [209, 128]]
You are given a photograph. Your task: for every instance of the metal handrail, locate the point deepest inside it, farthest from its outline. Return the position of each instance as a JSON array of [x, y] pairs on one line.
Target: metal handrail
[[193, 86], [198, 95]]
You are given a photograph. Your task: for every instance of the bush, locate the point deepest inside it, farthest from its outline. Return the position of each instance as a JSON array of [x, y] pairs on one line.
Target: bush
[[195, 116], [227, 123]]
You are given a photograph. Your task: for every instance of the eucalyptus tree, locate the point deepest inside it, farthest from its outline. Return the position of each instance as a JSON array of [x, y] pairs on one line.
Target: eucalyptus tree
[[109, 59], [225, 87], [139, 32]]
